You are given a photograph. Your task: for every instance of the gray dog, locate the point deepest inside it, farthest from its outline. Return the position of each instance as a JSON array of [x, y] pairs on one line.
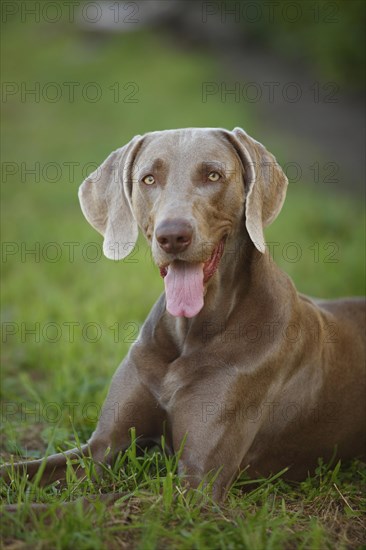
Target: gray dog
[[202, 197]]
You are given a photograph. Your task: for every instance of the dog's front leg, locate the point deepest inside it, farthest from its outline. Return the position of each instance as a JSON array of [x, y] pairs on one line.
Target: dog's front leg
[[210, 461], [214, 443], [128, 404]]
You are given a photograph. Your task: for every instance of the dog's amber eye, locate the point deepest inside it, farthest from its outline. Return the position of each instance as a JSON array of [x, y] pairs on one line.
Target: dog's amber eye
[[149, 180], [214, 176]]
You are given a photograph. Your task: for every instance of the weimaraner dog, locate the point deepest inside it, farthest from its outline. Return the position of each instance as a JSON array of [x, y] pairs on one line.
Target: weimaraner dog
[[253, 374]]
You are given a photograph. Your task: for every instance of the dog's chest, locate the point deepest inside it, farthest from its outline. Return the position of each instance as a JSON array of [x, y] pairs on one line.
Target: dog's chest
[[173, 383], [191, 378], [166, 380]]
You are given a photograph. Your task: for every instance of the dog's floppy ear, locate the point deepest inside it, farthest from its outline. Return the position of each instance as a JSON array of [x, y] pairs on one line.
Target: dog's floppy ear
[[105, 199], [265, 185]]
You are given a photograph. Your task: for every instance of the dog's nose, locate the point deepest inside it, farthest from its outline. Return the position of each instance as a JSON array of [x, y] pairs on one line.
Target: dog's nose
[[174, 236]]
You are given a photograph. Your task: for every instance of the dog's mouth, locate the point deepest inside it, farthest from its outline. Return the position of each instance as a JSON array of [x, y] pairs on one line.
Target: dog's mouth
[[184, 283]]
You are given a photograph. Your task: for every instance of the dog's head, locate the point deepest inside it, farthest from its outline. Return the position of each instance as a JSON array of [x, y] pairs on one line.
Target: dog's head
[[188, 191]]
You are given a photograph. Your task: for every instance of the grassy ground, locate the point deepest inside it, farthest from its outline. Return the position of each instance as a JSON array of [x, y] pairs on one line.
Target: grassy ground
[[86, 313], [154, 511]]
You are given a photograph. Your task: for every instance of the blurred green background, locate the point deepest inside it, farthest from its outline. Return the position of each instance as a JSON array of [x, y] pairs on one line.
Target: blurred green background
[[162, 62]]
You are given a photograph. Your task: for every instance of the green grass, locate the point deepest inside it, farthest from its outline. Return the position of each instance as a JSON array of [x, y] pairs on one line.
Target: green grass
[[43, 377], [154, 510]]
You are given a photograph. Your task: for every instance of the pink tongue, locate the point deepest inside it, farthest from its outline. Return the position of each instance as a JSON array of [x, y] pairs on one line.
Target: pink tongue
[[184, 289]]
